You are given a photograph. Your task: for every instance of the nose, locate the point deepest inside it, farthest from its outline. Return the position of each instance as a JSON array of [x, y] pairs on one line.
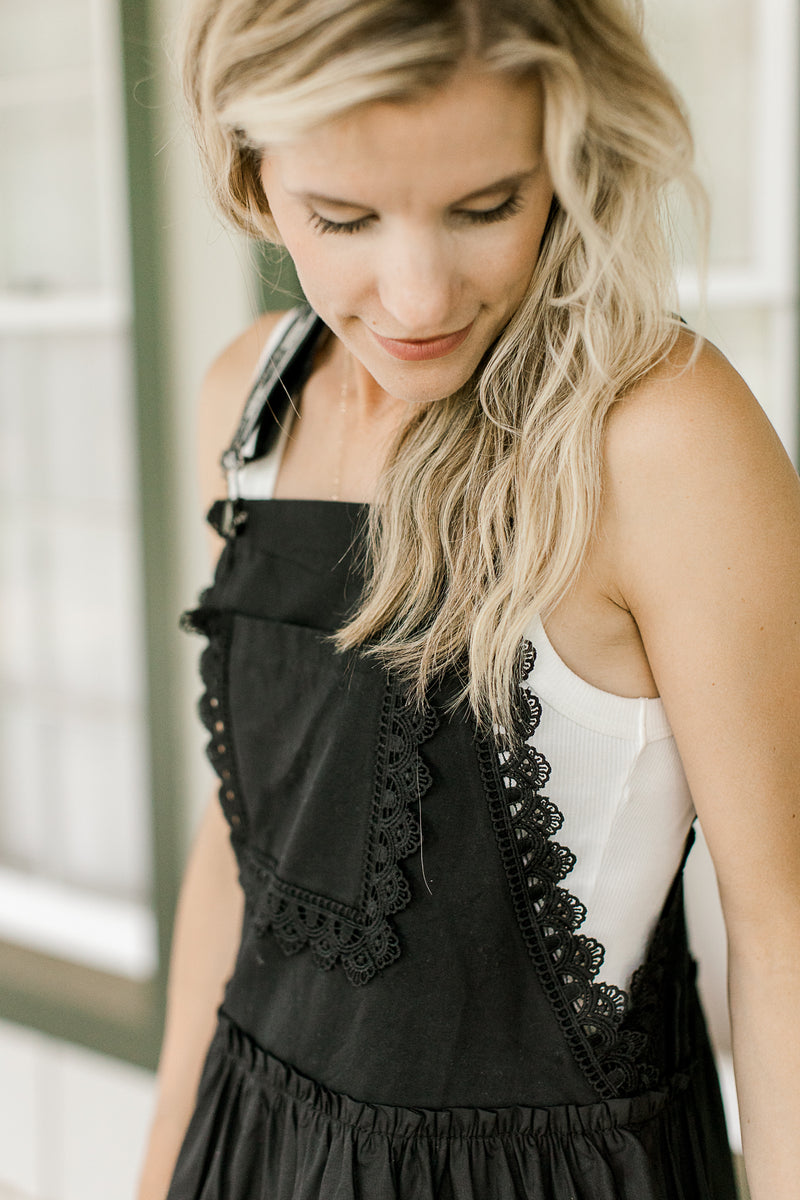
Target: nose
[[418, 287]]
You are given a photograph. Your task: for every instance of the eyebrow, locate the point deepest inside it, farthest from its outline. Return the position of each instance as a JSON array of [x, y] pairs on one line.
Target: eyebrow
[[508, 183]]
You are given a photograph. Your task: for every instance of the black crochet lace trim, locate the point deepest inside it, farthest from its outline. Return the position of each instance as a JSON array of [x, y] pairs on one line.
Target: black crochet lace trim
[[361, 938], [213, 706], [590, 1013]]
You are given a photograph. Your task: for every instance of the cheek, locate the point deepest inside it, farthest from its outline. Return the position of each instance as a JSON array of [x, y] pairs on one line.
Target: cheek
[[507, 270], [329, 279], [508, 263], [338, 280], [319, 264], [317, 269], [522, 259]]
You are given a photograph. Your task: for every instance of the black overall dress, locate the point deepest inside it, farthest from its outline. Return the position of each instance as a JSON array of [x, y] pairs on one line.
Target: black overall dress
[[414, 1011]]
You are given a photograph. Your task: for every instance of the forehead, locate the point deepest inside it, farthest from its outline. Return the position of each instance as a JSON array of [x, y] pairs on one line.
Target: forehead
[[478, 128]]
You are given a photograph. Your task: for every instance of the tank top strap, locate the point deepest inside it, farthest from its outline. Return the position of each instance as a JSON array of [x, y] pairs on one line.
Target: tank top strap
[[286, 364]]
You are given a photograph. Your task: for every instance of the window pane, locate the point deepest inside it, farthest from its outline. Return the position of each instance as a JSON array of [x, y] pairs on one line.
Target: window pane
[[74, 803], [707, 50], [50, 203]]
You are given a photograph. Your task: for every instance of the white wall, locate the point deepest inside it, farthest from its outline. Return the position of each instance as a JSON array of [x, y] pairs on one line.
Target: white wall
[[72, 1123]]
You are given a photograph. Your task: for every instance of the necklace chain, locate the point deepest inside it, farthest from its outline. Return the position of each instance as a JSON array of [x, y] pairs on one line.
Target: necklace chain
[[343, 394]]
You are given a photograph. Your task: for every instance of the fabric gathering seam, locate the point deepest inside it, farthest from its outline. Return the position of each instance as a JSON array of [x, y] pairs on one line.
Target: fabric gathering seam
[[661, 1098]]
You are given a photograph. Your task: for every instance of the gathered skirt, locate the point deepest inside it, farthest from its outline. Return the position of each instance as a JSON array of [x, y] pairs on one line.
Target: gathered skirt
[[262, 1131]]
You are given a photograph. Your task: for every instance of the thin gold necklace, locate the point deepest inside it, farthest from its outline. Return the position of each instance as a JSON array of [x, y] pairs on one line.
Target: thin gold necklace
[[343, 394]]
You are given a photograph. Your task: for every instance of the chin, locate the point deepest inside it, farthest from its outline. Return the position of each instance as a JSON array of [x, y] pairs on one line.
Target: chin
[[421, 383]]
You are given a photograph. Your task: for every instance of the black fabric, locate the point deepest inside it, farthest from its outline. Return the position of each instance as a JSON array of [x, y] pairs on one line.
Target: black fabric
[[263, 1130], [414, 1011]]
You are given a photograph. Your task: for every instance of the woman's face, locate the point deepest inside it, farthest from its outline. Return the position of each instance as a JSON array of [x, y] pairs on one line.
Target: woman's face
[[415, 227]]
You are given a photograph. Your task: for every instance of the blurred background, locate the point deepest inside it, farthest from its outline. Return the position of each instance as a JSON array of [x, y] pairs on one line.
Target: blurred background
[[117, 288]]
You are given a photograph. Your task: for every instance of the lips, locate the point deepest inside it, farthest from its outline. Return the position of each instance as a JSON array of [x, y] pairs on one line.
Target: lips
[[417, 350]]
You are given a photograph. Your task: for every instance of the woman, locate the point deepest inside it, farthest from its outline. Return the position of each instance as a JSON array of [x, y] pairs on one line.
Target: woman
[[464, 715]]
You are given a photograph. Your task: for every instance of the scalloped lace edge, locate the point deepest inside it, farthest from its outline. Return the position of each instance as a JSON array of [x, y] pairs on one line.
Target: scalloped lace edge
[[363, 939], [590, 1012]]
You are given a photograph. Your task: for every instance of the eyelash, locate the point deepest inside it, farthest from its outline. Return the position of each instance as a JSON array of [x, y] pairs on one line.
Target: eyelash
[[474, 216]]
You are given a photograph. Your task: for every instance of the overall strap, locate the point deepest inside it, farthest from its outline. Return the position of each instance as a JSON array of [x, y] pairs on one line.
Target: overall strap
[[287, 363]]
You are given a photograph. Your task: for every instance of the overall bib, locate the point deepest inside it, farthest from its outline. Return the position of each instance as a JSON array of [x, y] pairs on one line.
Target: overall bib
[[414, 1011]]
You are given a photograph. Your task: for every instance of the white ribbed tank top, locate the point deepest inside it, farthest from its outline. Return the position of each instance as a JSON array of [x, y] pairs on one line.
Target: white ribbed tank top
[[616, 776]]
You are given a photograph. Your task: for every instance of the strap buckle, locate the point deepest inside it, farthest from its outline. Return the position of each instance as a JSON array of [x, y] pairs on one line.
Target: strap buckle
[[233, 515]]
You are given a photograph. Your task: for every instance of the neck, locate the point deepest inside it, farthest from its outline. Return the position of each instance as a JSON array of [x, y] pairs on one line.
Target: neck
[[366, 399]]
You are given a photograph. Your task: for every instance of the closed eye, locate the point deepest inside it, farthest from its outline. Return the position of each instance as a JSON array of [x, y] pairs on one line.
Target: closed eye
[[485, 216], [474, 216], [325, 226]]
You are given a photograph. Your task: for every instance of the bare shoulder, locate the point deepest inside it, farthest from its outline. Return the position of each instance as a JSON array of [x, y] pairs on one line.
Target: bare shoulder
[[223, 394], [692, 410], [701, 502], [690, 448]]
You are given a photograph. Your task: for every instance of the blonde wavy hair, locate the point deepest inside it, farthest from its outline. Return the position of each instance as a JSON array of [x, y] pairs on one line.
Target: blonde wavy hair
[[489, 498]]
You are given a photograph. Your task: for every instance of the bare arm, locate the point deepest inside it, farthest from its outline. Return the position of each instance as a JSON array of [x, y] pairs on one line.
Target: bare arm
[[703, 509], [209, 915], [207, 926]]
